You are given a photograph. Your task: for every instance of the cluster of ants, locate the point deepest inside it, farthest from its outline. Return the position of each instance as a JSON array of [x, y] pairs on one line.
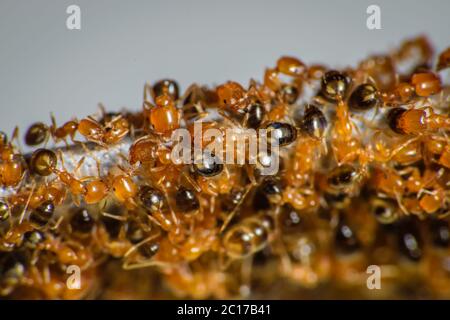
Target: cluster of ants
[[364, 180]]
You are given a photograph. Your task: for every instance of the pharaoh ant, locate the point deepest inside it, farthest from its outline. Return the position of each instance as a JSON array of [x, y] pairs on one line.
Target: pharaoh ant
[[12, 170], [44, 162], [289, 67], [39, 133], [110, 133]]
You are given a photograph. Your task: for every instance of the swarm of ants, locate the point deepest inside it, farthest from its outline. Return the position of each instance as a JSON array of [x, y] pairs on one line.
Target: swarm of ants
[[364, 180]]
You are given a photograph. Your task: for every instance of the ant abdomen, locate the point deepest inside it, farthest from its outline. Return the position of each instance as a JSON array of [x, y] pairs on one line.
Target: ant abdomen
[[247, 237]]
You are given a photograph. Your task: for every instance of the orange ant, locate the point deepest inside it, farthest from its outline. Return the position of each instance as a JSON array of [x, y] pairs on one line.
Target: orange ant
[[112, 132], [44, 162], [12, 169]]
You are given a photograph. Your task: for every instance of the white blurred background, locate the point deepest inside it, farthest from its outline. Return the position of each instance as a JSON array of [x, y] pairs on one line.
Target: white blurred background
[[45, 67]]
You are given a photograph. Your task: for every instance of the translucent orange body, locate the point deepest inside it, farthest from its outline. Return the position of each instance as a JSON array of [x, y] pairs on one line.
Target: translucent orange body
[[231, 94], [165, 116], [413, 121], [271, 79], [96, 191], [142, 150], [11, 173], [76, 186], [426, 84], [124, 188], [291, 66], [432, 202], [445, 157], [68, 129], [90, 129], [444, 60], [402, 93], [381, 70], [116, 130]]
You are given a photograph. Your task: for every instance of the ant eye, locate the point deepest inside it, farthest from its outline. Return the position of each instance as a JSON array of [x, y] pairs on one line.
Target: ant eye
[[314, 122], [152, 199], [43, 162], [82, 222], [282, 133], [36, 134], [42, 214], [186, 200], [166, 87], [4, 211], [364, 97], [335, 85], [209, 165]]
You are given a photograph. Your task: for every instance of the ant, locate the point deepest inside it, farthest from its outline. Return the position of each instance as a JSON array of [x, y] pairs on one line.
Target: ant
[[110, 133]]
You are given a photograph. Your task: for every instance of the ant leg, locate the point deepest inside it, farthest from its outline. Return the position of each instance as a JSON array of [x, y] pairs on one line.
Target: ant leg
[[102, 110], [172, 212], [135, 247], [246, 274], [127, 265], [90, 153], [229, 119], [147, 92], [150, 217], [53, 121], [191, 181], [79, 164], [233, 213], [400, 204], [251, 175], [15, 136], [22, 215], [53, 127], [286, 262], [57, 224], [113, 216], [46, 273], [212, 205], [402, 146], [194, 89]]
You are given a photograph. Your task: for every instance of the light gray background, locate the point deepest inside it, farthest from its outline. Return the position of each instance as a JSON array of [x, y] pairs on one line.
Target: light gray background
[[45, 67]]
